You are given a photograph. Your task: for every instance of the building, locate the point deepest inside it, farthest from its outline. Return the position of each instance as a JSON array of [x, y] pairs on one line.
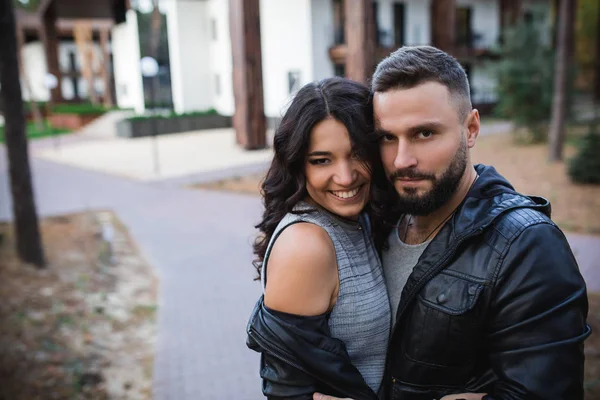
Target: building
[[53, 38], [301, 41], [304, 40]]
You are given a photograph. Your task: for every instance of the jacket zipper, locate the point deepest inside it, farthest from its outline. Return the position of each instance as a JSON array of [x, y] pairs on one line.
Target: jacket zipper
[[275, 352]]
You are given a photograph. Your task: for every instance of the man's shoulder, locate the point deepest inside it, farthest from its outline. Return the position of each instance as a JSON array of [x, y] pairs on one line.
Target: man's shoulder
[[513, 222]]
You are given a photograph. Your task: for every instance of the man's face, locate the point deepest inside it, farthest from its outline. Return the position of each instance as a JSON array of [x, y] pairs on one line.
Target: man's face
[[424, 144]]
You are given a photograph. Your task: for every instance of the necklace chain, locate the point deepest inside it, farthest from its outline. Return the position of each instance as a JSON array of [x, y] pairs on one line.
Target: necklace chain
[[409, 222]]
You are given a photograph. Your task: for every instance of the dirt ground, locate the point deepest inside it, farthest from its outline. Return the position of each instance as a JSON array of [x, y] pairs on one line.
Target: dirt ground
[[575, 208], [83, 327]]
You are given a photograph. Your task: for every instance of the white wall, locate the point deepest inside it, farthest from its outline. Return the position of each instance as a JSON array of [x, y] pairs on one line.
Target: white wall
[[485, 21], [126, 64], [188, 30], [322, 38], [34, 61], [483, 81], [286, 31], [220, 58], [418, 22]]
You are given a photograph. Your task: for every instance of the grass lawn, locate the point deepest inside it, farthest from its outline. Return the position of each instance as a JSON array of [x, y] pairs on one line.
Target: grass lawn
[[34, 133]]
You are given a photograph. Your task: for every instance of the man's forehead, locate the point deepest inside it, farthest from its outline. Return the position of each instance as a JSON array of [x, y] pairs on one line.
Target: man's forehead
[[430, 101]]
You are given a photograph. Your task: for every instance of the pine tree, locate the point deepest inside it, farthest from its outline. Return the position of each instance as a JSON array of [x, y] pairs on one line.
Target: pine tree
[[525, 79]]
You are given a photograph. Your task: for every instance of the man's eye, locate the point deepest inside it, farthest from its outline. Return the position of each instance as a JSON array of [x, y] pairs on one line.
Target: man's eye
[[387, 137], [318, 161], [425, 134]]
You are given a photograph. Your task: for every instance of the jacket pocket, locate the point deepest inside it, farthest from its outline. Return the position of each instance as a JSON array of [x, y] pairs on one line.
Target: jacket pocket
[[443, 327]]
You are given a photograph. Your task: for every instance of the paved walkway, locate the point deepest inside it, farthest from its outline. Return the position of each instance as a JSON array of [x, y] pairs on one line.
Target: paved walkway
[[199, 243]]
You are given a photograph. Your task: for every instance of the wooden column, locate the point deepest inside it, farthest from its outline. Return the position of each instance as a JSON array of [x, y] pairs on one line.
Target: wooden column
[[443, 25], [84, 39], [360, 40], [49, 37], [106, 75], [249, 119]]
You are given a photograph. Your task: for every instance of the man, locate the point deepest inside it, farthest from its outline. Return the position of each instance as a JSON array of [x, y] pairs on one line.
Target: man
[[487, 297]]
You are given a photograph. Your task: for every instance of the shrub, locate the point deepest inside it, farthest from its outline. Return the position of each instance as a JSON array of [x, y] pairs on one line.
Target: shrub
[[585, 166], [525, 78], [172, 115], [81, 109]]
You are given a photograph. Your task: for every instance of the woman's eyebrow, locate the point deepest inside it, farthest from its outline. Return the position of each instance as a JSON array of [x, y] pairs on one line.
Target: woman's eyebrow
[[319, 153]]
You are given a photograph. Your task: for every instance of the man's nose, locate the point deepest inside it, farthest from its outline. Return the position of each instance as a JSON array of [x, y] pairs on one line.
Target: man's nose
[[405, 157]]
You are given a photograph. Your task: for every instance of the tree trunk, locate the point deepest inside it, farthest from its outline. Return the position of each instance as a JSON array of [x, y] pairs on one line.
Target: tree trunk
[[29, 246], [35, 110], [597, 83], [443, 25], [564, 54], [360, 39], [249, 119]]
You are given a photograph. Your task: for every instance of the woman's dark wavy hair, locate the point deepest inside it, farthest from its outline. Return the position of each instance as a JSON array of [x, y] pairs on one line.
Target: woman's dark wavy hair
[[284, 186]]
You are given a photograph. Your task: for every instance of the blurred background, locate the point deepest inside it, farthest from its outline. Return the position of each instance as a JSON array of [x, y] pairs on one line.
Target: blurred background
[[134, 135]]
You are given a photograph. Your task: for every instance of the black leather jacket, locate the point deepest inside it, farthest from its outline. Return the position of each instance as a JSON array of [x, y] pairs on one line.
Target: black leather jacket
[[496, 304], [299, 357]]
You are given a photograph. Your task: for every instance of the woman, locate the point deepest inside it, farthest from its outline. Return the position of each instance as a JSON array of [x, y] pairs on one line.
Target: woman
[[323, 323]]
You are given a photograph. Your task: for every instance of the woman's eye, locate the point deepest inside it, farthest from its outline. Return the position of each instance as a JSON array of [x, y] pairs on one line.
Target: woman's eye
[[318, 161], [387, 138], [425, 134]]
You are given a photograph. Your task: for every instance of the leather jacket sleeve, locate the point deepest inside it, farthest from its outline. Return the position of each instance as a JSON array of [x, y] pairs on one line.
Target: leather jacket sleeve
[[537, 321], [299, 357]]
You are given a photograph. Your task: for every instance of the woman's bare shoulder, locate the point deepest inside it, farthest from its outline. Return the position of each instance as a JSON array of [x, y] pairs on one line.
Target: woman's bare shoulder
[[302, 275]]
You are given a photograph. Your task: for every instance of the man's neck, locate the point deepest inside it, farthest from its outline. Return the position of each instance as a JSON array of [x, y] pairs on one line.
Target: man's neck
[[425, 227]]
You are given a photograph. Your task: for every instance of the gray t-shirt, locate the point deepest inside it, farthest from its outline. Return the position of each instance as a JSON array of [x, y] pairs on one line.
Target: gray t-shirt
[[398, 262]]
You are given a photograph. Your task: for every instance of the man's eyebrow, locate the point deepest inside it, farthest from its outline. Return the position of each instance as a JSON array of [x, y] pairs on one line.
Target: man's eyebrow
[[319, 153], [427, 126]]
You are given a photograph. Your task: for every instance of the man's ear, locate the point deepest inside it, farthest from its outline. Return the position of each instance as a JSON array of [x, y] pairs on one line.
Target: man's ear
[[473, 124]]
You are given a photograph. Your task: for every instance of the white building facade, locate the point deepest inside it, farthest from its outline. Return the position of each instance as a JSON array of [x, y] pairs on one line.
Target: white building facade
[[296, 36]]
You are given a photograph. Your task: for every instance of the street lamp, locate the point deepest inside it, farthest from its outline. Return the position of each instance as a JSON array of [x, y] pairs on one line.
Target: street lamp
[[149, 67]]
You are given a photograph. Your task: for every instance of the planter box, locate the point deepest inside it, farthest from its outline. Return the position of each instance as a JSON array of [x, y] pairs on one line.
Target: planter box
[[163, 126], [71, 121]]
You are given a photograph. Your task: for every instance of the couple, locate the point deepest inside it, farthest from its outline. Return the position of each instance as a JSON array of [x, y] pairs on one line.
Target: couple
[[395, 269]]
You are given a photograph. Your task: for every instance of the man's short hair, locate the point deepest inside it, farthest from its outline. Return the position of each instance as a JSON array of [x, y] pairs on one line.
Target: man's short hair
[[411, 66]]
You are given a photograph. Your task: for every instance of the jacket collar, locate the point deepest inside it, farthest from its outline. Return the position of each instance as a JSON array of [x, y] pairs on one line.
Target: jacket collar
[[491, 196]]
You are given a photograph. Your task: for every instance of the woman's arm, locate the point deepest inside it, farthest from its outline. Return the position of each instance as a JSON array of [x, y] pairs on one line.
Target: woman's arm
[[302, 274]]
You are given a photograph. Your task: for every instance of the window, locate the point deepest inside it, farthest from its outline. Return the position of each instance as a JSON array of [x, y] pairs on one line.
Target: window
[[376, 23], [399, 24], [293, 81], [338, 22], [464, 33]]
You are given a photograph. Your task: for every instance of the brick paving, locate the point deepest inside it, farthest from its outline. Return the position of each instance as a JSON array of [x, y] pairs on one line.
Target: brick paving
[[199, 243]]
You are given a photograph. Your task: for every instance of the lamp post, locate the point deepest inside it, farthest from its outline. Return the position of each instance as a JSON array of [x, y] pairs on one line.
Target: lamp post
[[149, 67]]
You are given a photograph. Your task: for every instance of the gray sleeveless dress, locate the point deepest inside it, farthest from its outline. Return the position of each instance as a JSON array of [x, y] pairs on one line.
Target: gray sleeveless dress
[[361, 316]]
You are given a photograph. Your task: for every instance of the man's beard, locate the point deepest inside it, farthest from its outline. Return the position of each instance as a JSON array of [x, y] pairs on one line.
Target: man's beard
[[409, 202]]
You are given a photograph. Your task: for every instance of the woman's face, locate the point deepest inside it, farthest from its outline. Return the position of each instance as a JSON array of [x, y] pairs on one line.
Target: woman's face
[[335, 179]]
